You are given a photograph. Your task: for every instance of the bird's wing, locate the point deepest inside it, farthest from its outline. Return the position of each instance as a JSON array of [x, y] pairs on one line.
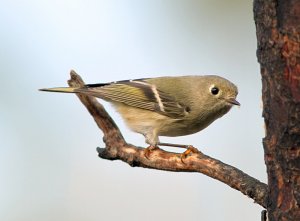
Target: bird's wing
[[137, 93]]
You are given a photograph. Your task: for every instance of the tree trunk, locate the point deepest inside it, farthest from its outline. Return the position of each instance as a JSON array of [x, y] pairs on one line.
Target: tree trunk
[[278, 36]]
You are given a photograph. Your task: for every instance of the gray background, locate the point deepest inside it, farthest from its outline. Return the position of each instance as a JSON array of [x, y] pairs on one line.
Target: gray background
[[49, 169]]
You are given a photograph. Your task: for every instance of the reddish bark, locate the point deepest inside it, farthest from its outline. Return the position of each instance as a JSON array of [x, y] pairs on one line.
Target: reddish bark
[[278, 35]]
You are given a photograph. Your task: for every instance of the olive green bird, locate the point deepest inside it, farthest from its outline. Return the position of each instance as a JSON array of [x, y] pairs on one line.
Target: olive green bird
[[165, 106]]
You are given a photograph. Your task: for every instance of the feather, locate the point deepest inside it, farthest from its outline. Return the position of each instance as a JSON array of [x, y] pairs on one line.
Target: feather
[[137, 93]]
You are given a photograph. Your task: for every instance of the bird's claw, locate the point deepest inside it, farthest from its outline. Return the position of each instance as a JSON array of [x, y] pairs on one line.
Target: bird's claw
[[148, 150], [189, 149]]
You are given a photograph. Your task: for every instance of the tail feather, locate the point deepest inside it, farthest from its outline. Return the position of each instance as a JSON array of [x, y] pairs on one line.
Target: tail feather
[[60, 89]]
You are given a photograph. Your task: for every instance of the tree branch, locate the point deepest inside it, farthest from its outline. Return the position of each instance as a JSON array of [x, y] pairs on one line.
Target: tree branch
[[118, 149]]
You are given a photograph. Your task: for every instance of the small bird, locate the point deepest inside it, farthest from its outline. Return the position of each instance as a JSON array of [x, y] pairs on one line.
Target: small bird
[[165, 106]]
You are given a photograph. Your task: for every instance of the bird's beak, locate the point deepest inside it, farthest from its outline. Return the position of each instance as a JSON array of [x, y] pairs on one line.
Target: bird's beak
[[233, 101]]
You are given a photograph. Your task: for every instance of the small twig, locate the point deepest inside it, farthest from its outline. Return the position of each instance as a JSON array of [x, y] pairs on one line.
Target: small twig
[[118, 149], [264, 215]]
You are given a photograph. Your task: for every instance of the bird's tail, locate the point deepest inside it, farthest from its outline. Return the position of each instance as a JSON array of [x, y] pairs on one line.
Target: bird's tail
[[60, 89]]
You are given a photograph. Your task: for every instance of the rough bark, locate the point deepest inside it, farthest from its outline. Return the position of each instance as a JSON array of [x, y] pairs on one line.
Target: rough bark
[[278, 35], [117, 149]]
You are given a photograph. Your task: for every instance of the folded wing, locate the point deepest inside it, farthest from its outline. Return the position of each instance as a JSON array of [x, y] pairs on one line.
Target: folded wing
[[139, 94]]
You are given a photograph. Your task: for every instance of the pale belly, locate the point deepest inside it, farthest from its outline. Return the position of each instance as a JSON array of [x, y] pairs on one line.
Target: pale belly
[[152, 124]]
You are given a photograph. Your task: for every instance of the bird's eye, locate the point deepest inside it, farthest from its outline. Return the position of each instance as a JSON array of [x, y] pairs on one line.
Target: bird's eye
[[214, 90]]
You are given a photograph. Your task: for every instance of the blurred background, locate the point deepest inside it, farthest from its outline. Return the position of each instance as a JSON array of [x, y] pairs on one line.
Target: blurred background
[[49, 169]]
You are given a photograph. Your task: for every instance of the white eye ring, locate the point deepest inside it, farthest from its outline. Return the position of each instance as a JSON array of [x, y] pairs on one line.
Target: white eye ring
[[214, 90]]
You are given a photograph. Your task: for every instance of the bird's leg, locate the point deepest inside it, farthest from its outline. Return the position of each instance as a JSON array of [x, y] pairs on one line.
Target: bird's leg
[[152, 139], [189, 149], [149, 149]]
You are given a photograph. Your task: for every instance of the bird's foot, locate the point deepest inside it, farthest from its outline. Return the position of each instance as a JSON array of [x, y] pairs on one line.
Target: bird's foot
[[148, 150], [189, 149]]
